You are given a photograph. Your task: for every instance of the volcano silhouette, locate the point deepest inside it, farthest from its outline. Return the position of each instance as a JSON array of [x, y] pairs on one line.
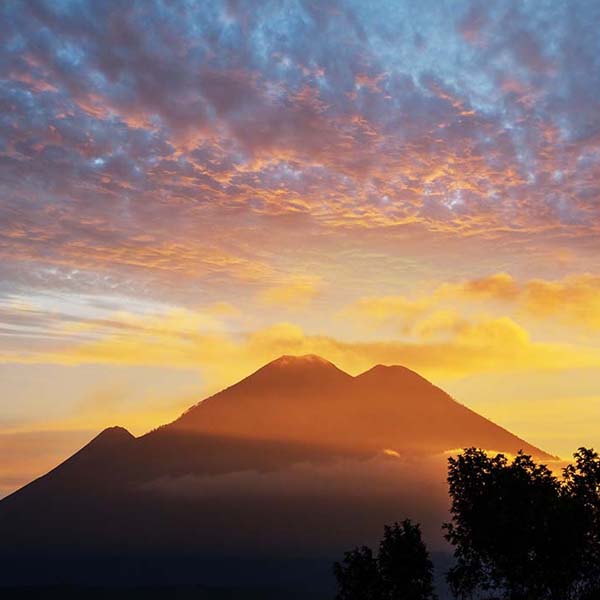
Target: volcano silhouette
[[298, 459]]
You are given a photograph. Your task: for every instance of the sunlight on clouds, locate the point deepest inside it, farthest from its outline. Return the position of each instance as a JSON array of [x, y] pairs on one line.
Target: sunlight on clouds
[[439, 323], [296, 292], [168, 196], [500, 286], [574, 300], [447, 347], [396, 311], [467, 329]]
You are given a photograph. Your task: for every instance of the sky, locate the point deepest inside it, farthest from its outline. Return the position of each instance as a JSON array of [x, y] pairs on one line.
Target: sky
[[191, 189]]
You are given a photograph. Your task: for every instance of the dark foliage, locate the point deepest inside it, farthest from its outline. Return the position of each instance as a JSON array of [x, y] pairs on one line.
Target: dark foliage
[[519, 532], [358, 576], [582, 485], [402, 569], [405, 569]]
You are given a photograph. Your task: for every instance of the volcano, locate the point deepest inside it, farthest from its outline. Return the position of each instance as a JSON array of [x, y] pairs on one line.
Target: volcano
[[307, 399], [299, 459]]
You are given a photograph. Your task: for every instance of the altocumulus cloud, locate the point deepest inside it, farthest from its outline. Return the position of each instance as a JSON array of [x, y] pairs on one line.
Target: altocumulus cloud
[[121, 126]]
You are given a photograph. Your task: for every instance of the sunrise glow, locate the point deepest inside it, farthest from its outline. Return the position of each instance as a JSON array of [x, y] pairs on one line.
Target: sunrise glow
[[191, 190]]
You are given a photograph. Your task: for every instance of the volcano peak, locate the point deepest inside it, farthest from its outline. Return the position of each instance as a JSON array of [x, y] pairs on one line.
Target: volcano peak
[[300, 360], [306, 366]]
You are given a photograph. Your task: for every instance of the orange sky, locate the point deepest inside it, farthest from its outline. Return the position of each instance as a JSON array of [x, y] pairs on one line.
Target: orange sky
[[181, 203]]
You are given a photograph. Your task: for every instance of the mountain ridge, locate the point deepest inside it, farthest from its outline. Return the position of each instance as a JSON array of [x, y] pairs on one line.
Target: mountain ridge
[[299, 459], [371, 412], [308, 398]]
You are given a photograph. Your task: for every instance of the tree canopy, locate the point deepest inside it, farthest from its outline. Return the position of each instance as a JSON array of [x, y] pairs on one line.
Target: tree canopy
[[519, 531], [402, 569]]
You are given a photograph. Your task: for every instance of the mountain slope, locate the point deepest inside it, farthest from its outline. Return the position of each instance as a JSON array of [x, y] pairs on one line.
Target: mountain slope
[[299, 459], [291, 410], [308, 399]]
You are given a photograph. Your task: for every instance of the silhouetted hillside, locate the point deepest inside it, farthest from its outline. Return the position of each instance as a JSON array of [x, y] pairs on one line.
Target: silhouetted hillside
[[298, 460]]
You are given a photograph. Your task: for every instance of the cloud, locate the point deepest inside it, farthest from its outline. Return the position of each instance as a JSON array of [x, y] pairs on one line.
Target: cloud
[[499, 286], [130, 136], [396, 311], [472, 24], [448, 347], [171, 154], [427, 315], [296, 292], [573, 300]]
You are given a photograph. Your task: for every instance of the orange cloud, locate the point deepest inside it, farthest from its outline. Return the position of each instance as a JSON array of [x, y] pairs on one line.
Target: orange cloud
[[426, 315], [396, 311], [574, 299], [500, 286], [451, 347], [294, 292]]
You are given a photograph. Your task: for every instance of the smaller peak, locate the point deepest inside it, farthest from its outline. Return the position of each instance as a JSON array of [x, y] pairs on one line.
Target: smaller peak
[[380, 368], [390, 370]]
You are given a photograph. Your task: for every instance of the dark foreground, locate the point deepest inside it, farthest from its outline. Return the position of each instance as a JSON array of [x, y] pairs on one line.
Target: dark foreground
[[184, 577], [197, 592]]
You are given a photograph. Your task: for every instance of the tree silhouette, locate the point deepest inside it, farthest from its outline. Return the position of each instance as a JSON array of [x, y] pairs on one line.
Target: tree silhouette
[[401, 571], [405, 568], [582, 484], [358, 576], [519, 532]]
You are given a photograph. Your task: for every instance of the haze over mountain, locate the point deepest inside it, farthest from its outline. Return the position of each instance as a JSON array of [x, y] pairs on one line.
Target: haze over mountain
[[299, 459]]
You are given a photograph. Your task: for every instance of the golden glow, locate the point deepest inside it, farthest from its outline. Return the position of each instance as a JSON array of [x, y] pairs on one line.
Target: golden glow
[[176, 212], [296, 292]]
